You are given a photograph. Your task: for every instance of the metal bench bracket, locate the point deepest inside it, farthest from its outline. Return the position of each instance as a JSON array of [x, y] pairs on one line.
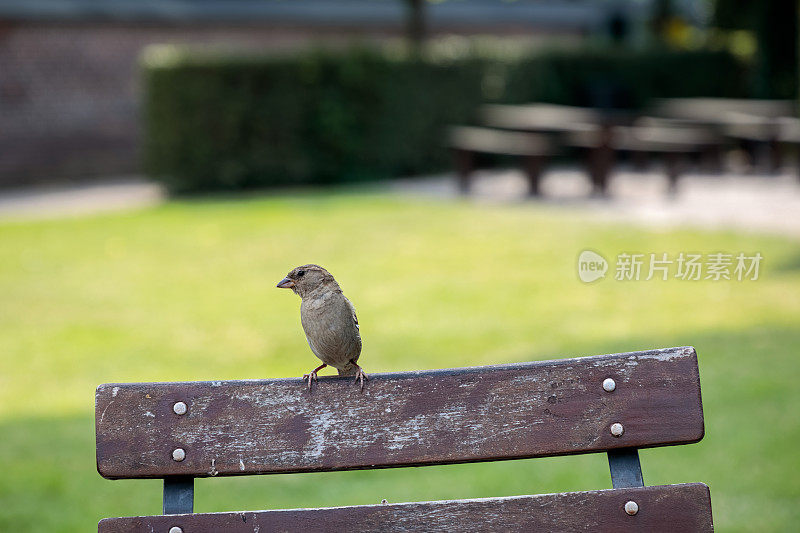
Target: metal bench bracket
[[178, 495], [626, 471]]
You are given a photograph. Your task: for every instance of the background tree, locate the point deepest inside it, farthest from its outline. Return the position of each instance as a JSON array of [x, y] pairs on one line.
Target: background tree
[[416, 30], [775, 25]]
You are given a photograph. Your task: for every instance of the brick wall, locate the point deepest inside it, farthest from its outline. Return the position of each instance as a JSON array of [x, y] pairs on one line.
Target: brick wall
[[69, 93]]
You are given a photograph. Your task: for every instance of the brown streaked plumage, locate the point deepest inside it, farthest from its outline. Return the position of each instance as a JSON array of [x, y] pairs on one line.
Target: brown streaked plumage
[[329, 321]]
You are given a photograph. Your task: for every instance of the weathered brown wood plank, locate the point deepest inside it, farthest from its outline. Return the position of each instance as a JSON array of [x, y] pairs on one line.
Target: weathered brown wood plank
[[666, 508], [401, 419]]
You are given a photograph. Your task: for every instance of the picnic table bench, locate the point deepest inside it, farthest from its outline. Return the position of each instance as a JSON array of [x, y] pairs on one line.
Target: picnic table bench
[[789, 135], [716, 110], [467, 141], [614, 404], [754, 123], [602, 134], [646, 137]]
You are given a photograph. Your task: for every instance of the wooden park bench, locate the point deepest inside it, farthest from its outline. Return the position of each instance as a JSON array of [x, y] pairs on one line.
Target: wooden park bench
[[613, 404], [468, 141]]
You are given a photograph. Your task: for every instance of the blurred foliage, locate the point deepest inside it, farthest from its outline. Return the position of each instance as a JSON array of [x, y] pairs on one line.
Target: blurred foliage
[[737, 14], [217, 121], [774, 25], [625, 78]]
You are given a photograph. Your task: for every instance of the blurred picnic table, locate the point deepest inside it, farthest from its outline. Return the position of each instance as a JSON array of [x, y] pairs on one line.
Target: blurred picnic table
[[754, 124], [601, 133], [673, 130]]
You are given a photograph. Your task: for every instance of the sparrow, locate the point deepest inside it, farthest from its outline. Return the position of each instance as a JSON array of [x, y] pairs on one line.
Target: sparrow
[[329, 321]]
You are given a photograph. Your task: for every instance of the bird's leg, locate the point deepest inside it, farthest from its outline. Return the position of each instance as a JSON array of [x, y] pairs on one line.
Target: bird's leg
[[312, 376], [360, 375]]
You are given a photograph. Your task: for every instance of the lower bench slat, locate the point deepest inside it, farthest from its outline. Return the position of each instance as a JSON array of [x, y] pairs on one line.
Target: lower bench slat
[[685, 507]]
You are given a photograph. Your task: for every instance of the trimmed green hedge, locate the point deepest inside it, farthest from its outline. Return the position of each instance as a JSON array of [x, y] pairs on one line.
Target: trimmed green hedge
[[321, 118], [217, 122]]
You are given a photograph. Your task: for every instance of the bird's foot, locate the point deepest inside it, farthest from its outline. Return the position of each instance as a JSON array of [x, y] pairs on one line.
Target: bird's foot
[[361, 376], [312, 376]]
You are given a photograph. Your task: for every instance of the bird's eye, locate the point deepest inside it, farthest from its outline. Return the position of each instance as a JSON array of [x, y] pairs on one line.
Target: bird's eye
[[300, 273]]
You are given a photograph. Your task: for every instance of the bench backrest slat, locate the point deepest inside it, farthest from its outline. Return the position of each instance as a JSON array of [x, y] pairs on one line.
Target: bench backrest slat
[[661, 509], [401, 419]]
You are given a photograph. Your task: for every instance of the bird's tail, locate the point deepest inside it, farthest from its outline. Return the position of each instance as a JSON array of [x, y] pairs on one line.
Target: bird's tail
[[350, 370]]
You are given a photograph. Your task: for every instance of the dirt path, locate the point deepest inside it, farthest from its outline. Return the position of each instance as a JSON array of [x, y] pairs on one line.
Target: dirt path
[[52, 202], [760, 203]]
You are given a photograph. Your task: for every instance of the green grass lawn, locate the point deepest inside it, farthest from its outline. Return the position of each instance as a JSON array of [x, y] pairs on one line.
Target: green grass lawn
[[187, 291]]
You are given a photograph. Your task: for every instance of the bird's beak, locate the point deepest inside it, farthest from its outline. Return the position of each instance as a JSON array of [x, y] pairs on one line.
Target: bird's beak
[[285, 283]]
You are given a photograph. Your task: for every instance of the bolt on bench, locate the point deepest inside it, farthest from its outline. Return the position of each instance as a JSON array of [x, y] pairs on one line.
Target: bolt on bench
[[608, 403]]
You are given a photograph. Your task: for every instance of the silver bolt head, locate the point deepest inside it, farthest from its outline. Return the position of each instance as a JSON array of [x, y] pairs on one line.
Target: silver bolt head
[[631, 507], [175, 529], [609, 385], [616, 429], [179, 408], [178, 454]]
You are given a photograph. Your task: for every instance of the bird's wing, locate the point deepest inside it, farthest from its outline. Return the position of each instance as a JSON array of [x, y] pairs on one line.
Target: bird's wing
[[352, 311], [356, 348]]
